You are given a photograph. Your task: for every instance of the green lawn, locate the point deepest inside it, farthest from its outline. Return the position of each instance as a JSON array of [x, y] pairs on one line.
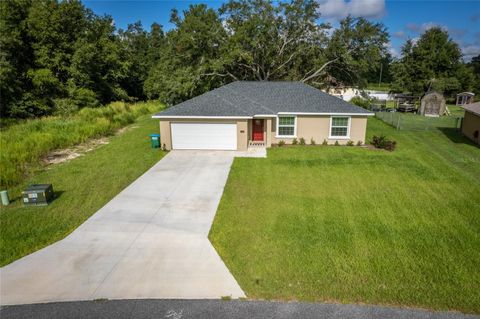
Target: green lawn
[[350, 224], [378, 87], [84, 185], [416, 122]]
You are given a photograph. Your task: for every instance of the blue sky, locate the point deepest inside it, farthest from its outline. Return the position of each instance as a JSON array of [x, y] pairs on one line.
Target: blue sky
[[403, 19]]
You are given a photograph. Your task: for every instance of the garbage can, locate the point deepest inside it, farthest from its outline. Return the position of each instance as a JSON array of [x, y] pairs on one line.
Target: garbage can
[[155, 140], [5, 200]]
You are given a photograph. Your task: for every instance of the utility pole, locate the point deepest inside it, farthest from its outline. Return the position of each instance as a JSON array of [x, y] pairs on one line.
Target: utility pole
[[381, 71]]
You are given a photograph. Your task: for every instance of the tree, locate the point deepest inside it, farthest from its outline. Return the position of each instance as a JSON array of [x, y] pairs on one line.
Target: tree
[[474, 67], [16, 55], [432, 63], [355, 48], [269, 41], [134, 43], [60, 53], [191, 51]]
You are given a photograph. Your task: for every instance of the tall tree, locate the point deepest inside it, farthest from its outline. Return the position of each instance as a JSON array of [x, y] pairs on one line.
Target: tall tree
[[134, 42], [434, 62], [16, 56], [191, 51], [271, 41]]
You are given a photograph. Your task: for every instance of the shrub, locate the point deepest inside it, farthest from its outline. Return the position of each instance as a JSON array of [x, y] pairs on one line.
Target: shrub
[[312, 141], [359, 101], [294, 141], [281, 143], [65, 107], [383, 142], [359, 143], [350, 143], [336, 143], [325, 142], [82, 97], [302, 141]]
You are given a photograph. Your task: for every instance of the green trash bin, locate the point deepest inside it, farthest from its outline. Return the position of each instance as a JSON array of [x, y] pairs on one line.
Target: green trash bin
[[155, 140]]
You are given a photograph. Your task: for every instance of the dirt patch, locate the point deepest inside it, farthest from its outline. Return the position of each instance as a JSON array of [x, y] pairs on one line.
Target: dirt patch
[[67, 154], [125, 129]]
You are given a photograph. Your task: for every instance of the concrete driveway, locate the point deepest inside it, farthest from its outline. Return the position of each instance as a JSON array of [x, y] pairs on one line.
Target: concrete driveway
[[150, 241]]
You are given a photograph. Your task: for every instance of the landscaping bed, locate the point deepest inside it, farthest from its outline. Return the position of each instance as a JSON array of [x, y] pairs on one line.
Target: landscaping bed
[[348, 224]]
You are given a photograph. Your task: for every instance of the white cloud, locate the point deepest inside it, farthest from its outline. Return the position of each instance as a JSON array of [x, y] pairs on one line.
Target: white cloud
[[339, 9], [400, 34], [393, 51], [470, 51], [457, 33], [420, 28]]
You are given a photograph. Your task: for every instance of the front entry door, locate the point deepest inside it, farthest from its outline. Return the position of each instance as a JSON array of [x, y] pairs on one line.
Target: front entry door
[[257, 130]]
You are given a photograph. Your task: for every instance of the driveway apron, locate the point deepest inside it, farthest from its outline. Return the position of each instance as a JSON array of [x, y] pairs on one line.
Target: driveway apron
[[150, 241]]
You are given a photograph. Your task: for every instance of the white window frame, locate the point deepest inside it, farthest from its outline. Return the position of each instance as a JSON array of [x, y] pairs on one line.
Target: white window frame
[[330, 136], [294, 126]]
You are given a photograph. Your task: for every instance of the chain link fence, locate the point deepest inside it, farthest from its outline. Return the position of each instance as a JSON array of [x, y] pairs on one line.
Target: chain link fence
[[414, 122]]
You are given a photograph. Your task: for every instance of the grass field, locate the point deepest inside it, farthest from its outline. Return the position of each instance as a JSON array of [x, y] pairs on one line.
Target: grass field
[[23, 143], [83, 185], [350, 224], [378, 87]]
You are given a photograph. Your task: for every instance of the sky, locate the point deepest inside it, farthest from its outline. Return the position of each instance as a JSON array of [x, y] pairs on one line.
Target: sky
[[404, 19]]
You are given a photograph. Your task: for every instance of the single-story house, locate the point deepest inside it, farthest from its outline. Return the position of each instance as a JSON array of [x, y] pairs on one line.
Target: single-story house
[[243, 114], [471, 122]]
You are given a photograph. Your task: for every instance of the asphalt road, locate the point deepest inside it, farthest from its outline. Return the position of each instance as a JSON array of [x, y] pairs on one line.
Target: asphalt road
[[213, 309]]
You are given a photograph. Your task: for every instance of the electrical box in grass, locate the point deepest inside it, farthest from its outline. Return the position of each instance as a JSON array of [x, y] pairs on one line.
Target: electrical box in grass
[[38, 195], [155, 140]]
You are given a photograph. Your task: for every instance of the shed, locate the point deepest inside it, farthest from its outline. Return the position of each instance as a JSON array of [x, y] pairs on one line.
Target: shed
[[432, 104], [471, 122], [465, 98]]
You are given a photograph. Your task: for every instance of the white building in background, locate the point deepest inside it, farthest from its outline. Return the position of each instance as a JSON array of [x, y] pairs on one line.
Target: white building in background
[[347, 93]]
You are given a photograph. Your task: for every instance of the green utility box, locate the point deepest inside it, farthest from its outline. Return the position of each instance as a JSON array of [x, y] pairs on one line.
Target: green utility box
[[155, 140], [38, 195]]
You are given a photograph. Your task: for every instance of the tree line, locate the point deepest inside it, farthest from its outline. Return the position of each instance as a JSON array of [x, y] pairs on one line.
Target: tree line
[[58, 56]]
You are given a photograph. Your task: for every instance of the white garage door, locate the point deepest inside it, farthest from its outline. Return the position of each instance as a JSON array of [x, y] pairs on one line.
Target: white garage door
[[204, 136]]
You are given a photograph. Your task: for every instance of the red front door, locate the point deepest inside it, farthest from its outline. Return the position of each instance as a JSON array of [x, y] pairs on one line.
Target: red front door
[[257, 130]]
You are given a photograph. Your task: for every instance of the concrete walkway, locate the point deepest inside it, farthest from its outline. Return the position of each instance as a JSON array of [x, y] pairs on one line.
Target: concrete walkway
[[150, 241]]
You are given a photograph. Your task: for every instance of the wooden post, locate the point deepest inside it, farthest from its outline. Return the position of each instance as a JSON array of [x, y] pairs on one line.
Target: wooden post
[[398, 123]]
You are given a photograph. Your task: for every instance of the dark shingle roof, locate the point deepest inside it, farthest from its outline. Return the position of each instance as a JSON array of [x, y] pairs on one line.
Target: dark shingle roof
[[254, 98], [472, 108]]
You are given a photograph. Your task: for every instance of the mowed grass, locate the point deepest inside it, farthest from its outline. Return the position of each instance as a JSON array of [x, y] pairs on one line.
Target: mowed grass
[[354, 225], [416, 122], [83, 186]]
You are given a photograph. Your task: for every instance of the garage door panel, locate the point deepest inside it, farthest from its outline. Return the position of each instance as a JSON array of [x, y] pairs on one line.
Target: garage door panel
[[208, 136]]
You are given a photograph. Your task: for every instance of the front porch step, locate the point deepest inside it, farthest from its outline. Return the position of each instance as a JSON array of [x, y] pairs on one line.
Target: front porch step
[[256, 144]]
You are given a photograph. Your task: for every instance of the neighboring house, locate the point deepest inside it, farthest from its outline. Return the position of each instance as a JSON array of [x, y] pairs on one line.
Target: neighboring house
[[242, 114], [471, 122], [347, 93], [344, 93]]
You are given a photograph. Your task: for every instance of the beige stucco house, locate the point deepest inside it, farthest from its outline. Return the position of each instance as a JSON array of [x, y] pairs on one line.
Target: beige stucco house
[[471, 122], [241, 114]]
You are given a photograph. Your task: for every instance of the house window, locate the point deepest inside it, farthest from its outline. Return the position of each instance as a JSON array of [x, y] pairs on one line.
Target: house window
[[339, 126], [286, 126]]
